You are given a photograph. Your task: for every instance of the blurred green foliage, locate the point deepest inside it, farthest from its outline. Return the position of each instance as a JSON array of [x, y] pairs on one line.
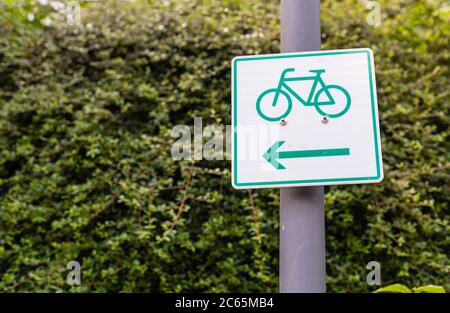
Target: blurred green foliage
[[399, 288], [86, 172]]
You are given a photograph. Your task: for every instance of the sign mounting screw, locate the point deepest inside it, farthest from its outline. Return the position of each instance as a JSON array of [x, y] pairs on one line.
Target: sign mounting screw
[[325, 120], [283, 122]]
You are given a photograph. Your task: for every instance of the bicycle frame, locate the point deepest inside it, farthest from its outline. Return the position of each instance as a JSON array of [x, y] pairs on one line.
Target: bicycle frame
[[317, 80]]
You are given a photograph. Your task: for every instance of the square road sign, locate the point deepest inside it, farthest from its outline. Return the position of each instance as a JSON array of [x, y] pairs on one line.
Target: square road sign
[[303, 119]]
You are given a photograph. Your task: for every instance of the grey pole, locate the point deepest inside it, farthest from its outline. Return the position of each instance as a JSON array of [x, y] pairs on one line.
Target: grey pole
[[302, 218]]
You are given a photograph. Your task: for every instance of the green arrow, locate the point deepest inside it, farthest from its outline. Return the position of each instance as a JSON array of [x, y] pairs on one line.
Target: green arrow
[[272, 155]]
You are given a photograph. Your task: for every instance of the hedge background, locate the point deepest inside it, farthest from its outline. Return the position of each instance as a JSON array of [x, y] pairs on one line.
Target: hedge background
[[85, 166]]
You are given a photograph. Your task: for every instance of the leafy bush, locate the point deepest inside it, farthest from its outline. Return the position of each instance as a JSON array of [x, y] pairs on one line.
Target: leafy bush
[[86, 172], [399, 288]]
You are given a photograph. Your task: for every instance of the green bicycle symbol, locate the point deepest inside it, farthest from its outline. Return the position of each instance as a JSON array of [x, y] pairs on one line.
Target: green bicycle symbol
[[284, 89]]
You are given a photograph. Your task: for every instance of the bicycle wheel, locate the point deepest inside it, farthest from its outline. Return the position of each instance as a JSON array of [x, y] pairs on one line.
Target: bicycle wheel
[[265, 108], [339, 108]]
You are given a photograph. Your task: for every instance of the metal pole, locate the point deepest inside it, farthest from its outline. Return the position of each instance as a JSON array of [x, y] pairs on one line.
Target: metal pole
[[302, 218]]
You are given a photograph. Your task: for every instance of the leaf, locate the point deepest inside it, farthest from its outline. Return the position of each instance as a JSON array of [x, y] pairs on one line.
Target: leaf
[[395, 288], [429, 289]]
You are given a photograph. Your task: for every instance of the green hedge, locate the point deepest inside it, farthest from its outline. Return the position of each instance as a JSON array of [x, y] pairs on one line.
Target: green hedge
[[86, 172]]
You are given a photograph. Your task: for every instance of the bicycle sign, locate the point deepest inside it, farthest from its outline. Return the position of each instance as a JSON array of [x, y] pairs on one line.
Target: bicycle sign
[[312, 100], [302, 119]]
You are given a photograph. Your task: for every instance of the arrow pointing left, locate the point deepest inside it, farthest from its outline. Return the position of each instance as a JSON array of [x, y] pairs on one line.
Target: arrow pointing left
[[272, 155]]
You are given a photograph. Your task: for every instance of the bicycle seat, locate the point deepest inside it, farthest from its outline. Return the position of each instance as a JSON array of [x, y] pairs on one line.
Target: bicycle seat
[[317, 71]]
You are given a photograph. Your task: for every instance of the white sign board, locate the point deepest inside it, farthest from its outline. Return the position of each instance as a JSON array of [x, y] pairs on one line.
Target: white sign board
[[302, 119]]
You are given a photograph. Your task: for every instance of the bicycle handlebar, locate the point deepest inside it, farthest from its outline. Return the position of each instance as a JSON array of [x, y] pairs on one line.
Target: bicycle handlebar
[[288, 70]]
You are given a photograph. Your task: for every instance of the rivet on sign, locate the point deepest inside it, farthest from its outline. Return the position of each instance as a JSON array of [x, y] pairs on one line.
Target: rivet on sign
[[325, 120], [283, 122]]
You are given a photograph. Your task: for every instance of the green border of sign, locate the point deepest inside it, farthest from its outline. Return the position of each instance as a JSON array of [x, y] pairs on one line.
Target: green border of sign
[[377, 178]]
